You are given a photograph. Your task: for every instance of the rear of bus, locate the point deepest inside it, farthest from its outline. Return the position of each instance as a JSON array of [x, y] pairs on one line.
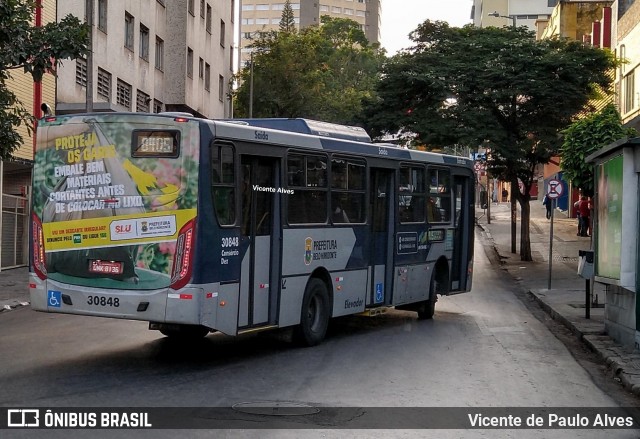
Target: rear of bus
[[113, 218]]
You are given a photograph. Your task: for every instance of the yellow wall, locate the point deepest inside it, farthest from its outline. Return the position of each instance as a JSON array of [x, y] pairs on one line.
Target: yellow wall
[[22, 85]]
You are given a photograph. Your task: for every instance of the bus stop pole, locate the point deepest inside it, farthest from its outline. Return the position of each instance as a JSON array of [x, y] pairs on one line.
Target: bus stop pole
[[553, 207]]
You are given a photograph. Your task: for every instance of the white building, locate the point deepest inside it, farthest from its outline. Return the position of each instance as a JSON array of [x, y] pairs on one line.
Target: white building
[[264, 15], [520, 12], [153, 56]]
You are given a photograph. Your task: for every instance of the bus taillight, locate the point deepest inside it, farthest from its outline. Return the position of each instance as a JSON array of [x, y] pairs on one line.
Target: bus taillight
[[183, 259], [39, 262]]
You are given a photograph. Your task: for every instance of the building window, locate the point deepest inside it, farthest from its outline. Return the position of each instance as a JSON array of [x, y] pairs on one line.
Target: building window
[[262, 7], [336, 9], [207, 77], [189, 62], [348, 11], [200, 68], [629, 92], [246, 21], [144, 42], [142, 102], [209, 18], [262, 21], [222, 32], [221, 88], [191, 7], [102, 15], [324, 8], [157, 106], [202, 8], [81, 72], [128, 31], [360, 13], [104, 84], [159, 54], [248, 7], [124, 94]]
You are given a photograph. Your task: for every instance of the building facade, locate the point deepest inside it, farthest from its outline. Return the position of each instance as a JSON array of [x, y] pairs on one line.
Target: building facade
[[522, 12], [264, 15], [627, 47], [152, 56], [15, 174]]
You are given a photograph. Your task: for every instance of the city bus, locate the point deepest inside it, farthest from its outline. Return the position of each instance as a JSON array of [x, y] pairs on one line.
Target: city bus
[[198, 225]]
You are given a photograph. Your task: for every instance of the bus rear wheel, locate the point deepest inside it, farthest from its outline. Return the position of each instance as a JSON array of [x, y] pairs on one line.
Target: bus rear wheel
[[184, 332], [314, 319], [427, 309]]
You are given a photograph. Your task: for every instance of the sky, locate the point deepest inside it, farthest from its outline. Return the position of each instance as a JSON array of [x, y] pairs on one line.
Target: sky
[[399, 17]]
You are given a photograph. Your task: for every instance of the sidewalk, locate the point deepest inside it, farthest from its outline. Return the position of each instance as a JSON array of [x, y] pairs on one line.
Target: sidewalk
[[565, 301], [14, 288]]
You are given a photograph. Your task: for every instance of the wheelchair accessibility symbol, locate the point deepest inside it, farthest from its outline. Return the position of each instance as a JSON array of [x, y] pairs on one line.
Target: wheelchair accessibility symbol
[[54, 298]]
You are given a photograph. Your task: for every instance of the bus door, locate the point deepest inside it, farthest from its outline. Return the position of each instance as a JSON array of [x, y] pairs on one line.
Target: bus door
[[382, 231], [463, 232], [260, 228]]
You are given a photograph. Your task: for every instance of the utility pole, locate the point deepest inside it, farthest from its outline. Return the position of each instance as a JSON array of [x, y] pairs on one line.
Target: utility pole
[[89, 96]]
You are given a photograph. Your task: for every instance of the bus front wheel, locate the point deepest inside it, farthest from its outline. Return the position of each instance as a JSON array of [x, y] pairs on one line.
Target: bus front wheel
[[184, 332], [314, 318]]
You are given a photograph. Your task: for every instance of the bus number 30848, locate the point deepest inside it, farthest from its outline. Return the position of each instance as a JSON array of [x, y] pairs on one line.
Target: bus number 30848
[[103, 301]]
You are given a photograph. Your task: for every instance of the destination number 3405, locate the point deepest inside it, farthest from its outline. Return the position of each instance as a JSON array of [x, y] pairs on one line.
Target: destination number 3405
[[103, 301]]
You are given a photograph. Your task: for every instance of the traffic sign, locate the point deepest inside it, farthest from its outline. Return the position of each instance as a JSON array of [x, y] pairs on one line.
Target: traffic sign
[[554, 189]]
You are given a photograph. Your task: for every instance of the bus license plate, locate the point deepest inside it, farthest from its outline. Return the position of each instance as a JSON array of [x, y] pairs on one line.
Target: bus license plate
[[105, 267]]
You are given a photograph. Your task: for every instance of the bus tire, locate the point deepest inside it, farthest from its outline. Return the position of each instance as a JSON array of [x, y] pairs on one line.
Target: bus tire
[[184, 332], [427, 308], [314, 318]]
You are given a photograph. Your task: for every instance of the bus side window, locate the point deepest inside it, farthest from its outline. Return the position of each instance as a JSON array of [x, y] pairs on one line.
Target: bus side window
[[223, 183], [411, 196], [307, 177], [439, 202]]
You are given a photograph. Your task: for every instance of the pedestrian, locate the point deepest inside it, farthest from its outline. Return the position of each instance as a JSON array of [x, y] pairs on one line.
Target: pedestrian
[[546, 202], [505, 194], [584, 208], [576, 209]]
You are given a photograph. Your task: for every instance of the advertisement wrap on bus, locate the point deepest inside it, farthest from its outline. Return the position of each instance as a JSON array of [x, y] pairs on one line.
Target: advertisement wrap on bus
[[115, 193]]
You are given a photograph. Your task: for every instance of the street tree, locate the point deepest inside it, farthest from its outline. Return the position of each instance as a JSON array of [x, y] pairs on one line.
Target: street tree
[[585, 136], [34, 50], [320, 72], [497, 88]]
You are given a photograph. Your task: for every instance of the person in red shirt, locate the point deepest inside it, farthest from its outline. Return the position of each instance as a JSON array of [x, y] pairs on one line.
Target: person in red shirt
[[585, 212]]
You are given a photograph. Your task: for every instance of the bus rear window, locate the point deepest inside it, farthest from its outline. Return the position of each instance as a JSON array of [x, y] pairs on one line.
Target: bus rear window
[[155, 143]]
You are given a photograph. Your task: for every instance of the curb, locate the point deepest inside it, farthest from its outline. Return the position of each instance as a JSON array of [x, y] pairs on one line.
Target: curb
[[11, 305], [597, 344]]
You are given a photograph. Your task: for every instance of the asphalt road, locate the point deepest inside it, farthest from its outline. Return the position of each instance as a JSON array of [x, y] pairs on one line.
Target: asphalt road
[[483, 349]]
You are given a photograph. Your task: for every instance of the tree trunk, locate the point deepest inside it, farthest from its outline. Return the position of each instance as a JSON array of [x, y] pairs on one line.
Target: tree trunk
[[525, 237]]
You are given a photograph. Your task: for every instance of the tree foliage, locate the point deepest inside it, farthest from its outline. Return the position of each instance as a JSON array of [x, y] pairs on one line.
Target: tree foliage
[[496, 88], [321, 72], [586, 136], [287, 21], [36, 51]]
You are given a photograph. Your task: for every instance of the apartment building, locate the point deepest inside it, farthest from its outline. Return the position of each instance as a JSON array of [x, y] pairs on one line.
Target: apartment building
[[627, 47], [264, 15], [153, 56], [521, 12]]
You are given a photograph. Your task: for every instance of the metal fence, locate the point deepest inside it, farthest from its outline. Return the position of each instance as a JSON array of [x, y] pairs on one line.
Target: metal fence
[[14, 231]]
